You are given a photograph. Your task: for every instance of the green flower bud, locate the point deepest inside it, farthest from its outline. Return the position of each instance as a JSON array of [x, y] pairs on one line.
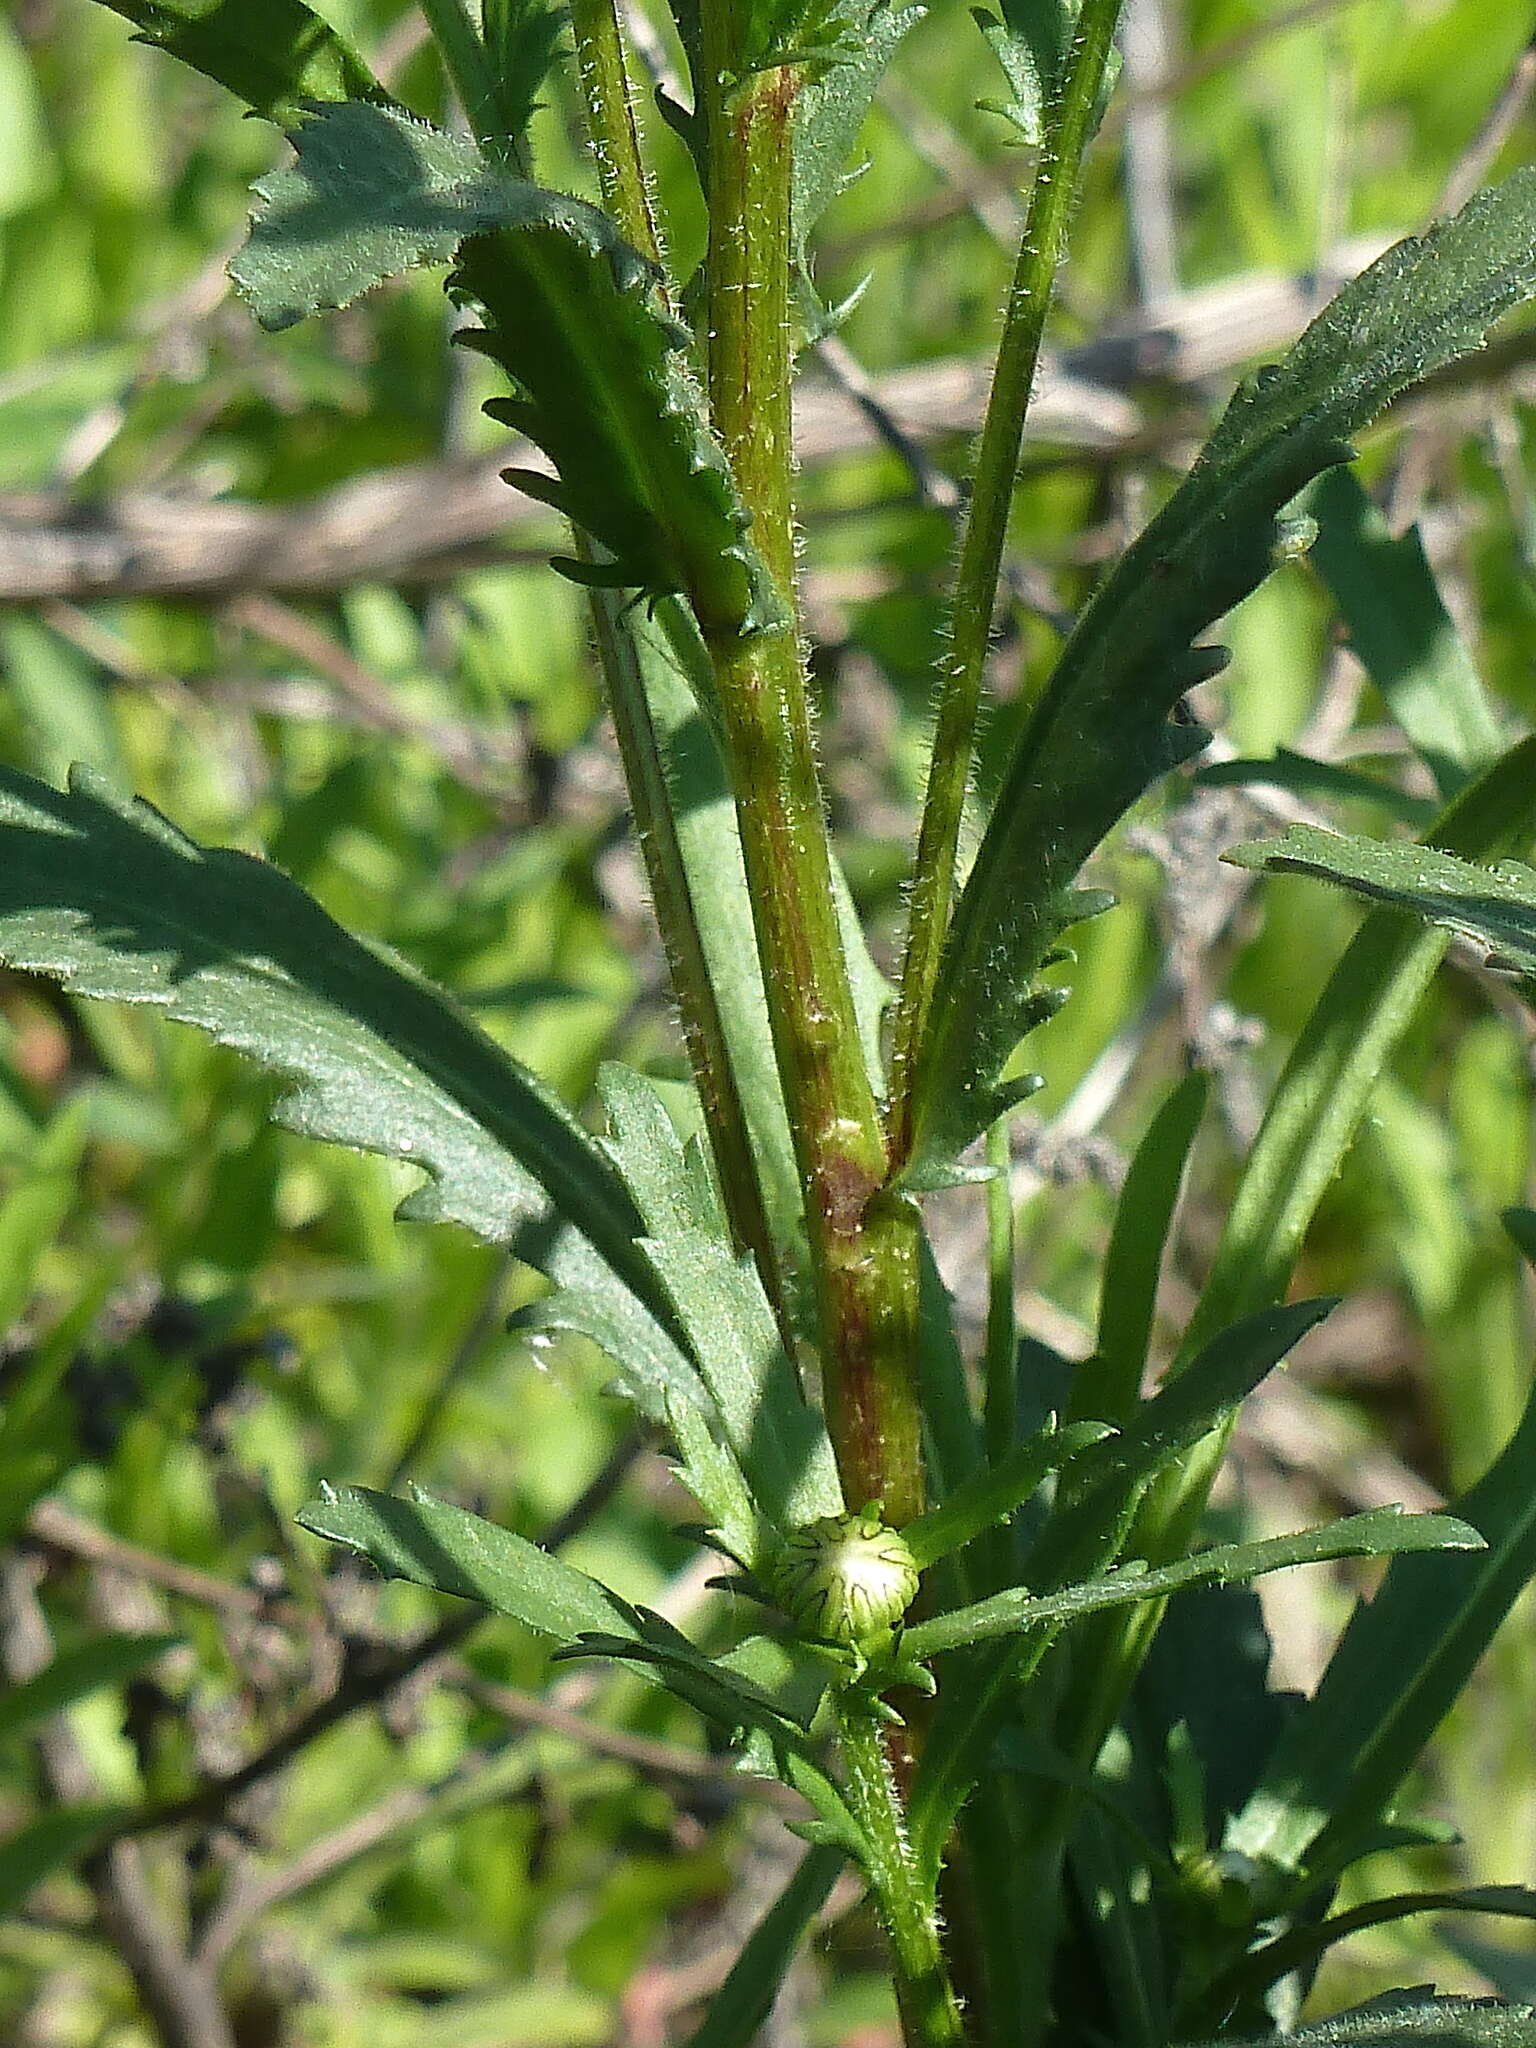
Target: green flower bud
[[845, 1578]]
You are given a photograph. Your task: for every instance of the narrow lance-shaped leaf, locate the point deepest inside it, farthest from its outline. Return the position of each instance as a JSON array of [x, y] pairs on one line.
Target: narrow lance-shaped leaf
[[776, 1438], [741, 2006], [1101, 733], [432, 1543], [1302, 1946], [1082, 1536], [1495, 906], [107, 897], [277, 55], [1401, 1665], [1382, 1532], [574, 315], [1400, 629]]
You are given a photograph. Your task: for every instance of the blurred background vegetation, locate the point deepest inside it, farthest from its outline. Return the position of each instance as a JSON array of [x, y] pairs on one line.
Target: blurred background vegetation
[[273, 585]]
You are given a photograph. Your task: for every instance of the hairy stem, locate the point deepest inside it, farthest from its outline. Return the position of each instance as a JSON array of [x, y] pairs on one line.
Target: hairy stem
[[863, 1244], [930, 2017], [610, 118], [1069, 126]]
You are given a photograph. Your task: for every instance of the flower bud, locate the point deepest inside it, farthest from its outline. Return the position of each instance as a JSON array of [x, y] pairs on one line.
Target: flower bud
[[845, 1578]]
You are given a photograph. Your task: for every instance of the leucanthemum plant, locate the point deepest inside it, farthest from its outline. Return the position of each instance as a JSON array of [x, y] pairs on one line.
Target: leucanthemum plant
[[947, 1595]]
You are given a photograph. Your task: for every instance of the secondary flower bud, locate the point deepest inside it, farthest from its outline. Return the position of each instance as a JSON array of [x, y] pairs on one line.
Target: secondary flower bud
[[845, 1578]]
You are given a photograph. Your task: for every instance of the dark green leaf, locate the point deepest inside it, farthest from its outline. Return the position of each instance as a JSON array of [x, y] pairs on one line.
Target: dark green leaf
[[1101, 734], [75, 1673], [1400, 1667], [521, 42], [1495, 906], [742, 2004], [1521, 1226], [989, 1497], [105, 896], [1399, 627], [1406, 2020], [1108, 1384], [276, 55], [1302, 1946], [1380, 1533]]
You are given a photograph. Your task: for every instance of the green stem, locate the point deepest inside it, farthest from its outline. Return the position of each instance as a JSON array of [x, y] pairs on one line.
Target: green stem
[[1069, 127], [609, 101], [863, 1243], [610, 118], [930, 2018]]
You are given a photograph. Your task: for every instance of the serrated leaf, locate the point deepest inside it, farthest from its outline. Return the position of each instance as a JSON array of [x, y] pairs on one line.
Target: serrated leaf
[[103, 894], [1405, 2020], [574, 315], [1101, 735], [1029, 39], [75, 1673], [1381, 1532], [276, 55], [830, 109], [372, 193], [1494, 906]]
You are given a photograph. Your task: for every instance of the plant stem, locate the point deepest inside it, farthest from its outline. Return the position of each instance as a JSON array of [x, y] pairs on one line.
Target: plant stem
[[609, 103], [610, 118], [1068, 129], [863, 1242], [930, 2017]]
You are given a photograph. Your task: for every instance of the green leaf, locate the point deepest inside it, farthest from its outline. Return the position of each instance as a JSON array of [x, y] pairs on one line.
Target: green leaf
[[1082, 1536], [75, 1673], [107, 897], [1101, 734], [1029, 39], [987, 1498], [40, 1196], [744, 2001], [276, 55], [778, 1440], [830, 110], [1109, 1383], [1400, 1667], [1520, 1224], [1300, 1949], [522, 39], [433, 1544], [1314, 1112], [372, 193], [41, 1846], [1300, 775], [1381, 1532], [1405, 2019], [574, 315], [1401, 631], [1495, 906]]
